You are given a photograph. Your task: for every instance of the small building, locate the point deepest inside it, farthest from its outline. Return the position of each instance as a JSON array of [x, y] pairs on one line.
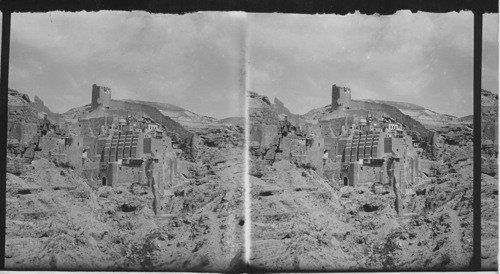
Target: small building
[[392, 127], [122, 124], [152, 127]]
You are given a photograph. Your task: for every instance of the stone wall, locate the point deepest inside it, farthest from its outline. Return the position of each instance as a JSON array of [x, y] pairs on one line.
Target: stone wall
[[93, 126], [171, 170], [100, 96], [121, 175], [157, 147], [99, 149], [304, 151], [316, 151], [25, 133], [263, 134], [123, 145], [358, 174], [63, 150], [331, 144], [90, 170], [368, 174], [362, 175], [89, 144], [399, 147], [74, 151], [363, 145], [334, 126], [341, 97]]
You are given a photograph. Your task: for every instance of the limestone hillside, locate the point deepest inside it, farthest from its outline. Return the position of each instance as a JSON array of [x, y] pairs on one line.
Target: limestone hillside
[[301, 222], [361, 109], [239, 121], [58, 220], [178, 114], [426, 117]]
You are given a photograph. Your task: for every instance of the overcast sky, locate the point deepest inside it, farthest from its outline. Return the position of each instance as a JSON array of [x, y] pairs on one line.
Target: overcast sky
[[192, 61], [195, 61], [420, 58]]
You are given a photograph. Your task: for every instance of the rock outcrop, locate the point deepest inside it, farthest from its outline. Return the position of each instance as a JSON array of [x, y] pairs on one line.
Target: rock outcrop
[[59, 220], [300, 221], [489, 133], [261, 110]]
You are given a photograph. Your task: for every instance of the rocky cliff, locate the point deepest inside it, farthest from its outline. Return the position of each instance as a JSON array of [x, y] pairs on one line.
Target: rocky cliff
[[301, 222], [58, 220], [489, 133], [261, 110]]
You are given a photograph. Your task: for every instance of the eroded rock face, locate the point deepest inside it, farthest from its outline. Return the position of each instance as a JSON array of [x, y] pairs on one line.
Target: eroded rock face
[[301, 222], [58, 220], [261, 110], [222, 136], [18, 99], [489, 180], [310, 223], [489, 133]]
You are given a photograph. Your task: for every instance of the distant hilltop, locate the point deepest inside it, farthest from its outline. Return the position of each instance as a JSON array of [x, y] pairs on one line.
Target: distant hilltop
[[428, 118], [102, 100], [343, 106]]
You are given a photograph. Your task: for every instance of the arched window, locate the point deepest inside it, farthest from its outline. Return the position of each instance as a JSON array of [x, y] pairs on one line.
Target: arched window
[[346, 181], [103, 181]]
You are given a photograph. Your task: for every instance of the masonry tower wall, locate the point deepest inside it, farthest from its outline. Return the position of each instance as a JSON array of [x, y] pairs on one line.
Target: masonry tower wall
[[100, 96], [341, 97]]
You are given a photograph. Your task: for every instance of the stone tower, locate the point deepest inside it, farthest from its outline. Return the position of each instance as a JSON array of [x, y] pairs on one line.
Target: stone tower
[[341, 98], [100, 96]]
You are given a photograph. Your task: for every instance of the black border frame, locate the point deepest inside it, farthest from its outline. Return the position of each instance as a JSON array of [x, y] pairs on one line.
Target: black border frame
[[340, 7]]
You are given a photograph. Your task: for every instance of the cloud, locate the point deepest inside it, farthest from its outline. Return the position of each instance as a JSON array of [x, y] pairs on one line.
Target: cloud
[[195, 61], [420, 58], [192, 60]]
